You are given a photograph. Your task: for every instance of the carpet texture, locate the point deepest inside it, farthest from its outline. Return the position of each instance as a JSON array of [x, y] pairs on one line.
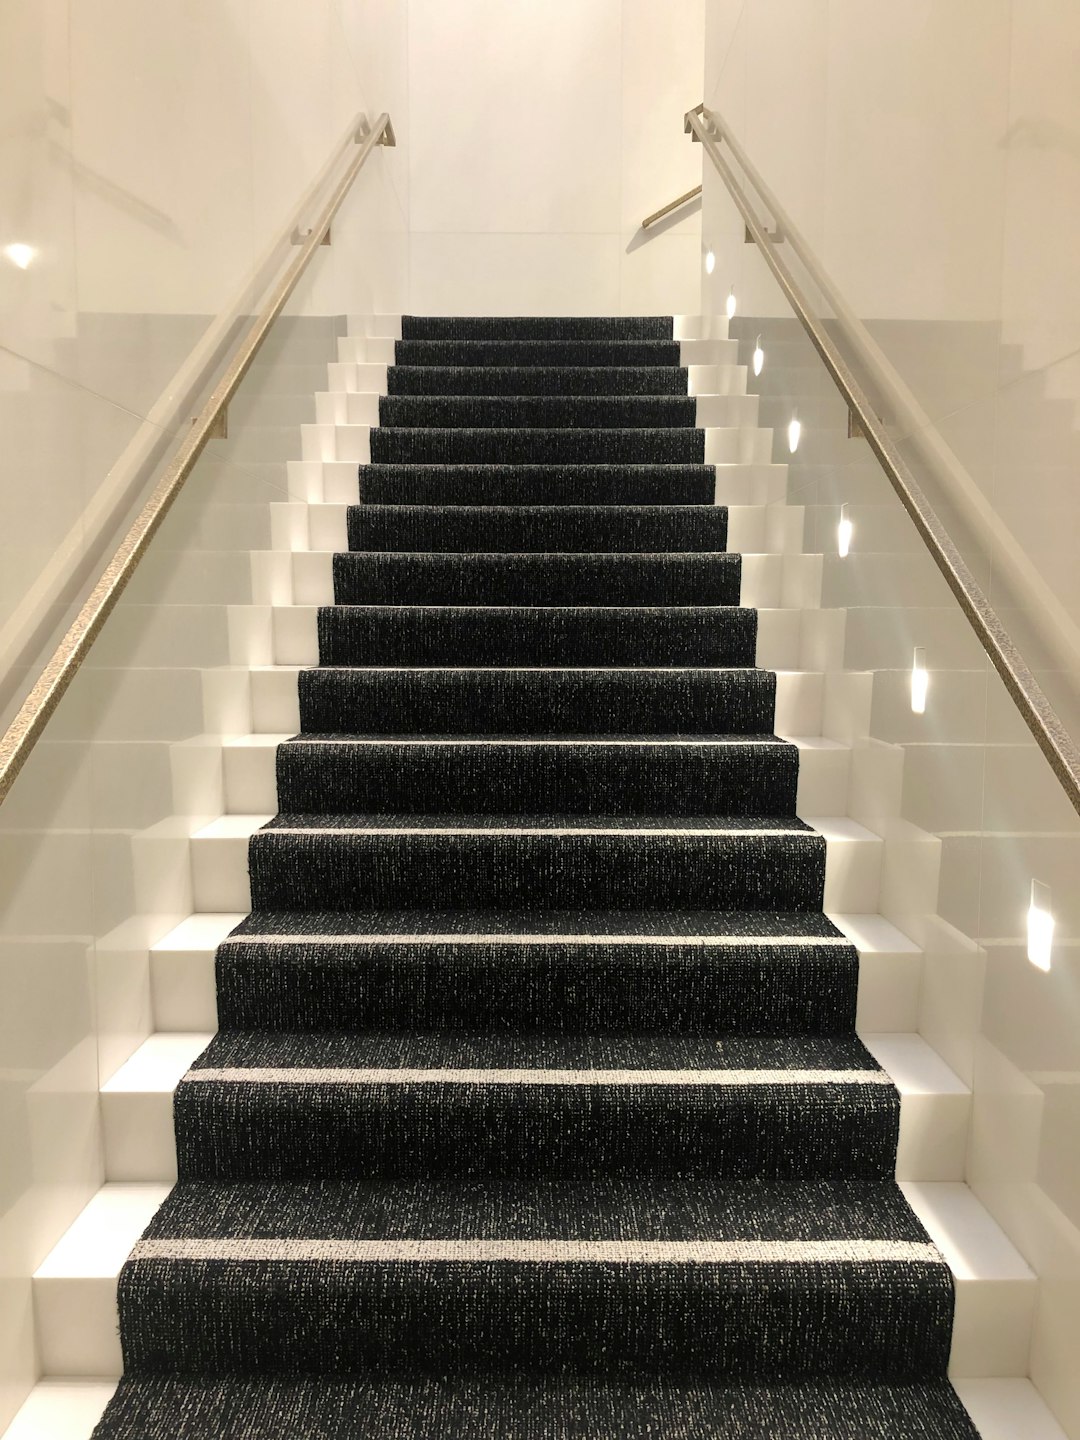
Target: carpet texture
[[537, 1109]]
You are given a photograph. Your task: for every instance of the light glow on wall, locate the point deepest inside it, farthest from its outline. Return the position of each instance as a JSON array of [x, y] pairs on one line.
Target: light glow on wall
[[731, 303], [920, 681], [710, 262], [19, 254], [1040, 926], [759, 357], [794, 432], [844, 532]]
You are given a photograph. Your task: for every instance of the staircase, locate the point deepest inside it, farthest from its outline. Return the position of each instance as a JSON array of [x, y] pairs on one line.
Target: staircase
[[565, 1080]]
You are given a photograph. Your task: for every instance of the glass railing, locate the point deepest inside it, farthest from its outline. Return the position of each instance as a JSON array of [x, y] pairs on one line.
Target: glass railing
[[981, 837], [95, 852]]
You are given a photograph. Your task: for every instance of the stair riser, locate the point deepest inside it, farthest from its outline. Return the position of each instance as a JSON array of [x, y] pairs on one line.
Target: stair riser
[[364, 444], [700, 1320], [274, 994], [220, 878], [385, 350], [536, 702], [329, 778], [251, 786], [546, 380], [511, 529], [538, 637], [241, 1131], [327, 871], [403, 579]]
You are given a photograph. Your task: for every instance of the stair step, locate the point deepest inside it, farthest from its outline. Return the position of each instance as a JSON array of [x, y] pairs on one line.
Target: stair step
[[342, 699], [219, 855], [557, 579], [138, 1102], [401, 445], [75, 1289], [307, 577], [1001, 1409], [185, 996], [251, 761]]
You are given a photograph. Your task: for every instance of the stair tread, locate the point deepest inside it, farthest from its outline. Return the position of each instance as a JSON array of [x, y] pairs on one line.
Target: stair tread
[[608, 1059], [676, 1208], [538, 824], [700, 926]]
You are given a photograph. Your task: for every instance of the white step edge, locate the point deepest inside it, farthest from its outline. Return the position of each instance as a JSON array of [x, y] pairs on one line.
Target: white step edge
[[337, 482], [184, 996], [788, 638], [183, 992], [61, 1410], [361, 407], [890, 973], [69, 1410], [808, 701], [75, 1288], [249, 764], [802, 697], [304, 575], [321, 525], [995, 1287], [1008, 1410], [140, 1146], [219, 863], [724, 444]]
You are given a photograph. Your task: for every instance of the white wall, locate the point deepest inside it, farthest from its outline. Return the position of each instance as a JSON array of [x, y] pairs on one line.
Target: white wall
[[930, 153], [540, 134], [148, 153], [148, 156]]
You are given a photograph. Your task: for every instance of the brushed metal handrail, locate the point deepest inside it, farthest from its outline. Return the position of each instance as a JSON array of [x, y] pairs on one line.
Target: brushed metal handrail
[[672, 205], [22, 734], [1038, 714]]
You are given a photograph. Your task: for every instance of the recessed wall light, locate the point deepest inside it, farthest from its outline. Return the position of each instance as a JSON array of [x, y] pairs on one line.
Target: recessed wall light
[[920, 681], [759, 357], [794, 432], [730, 303], [844, 532], [19, 254], [1040, 926], [710, 262]]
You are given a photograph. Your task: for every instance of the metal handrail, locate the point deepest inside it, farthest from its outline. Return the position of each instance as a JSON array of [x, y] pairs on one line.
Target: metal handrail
[[1038, 714], [673, 205], [25, 729]]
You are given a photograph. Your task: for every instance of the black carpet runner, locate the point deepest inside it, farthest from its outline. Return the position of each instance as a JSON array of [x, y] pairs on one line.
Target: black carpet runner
[[537, 1109]]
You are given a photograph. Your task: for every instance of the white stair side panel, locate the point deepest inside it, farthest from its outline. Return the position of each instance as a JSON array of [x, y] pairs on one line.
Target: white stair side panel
[[721, 379], [182, 987], [890, 973], [935, 1107], [219, 862], [136, 1108], [852, 864], [74, 1288], [140, 1142], [366, 350], [1008, 1410], [995, 1287], [726, 444], [295, 635], [275, 700], [61, 1410], [328, 527]]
